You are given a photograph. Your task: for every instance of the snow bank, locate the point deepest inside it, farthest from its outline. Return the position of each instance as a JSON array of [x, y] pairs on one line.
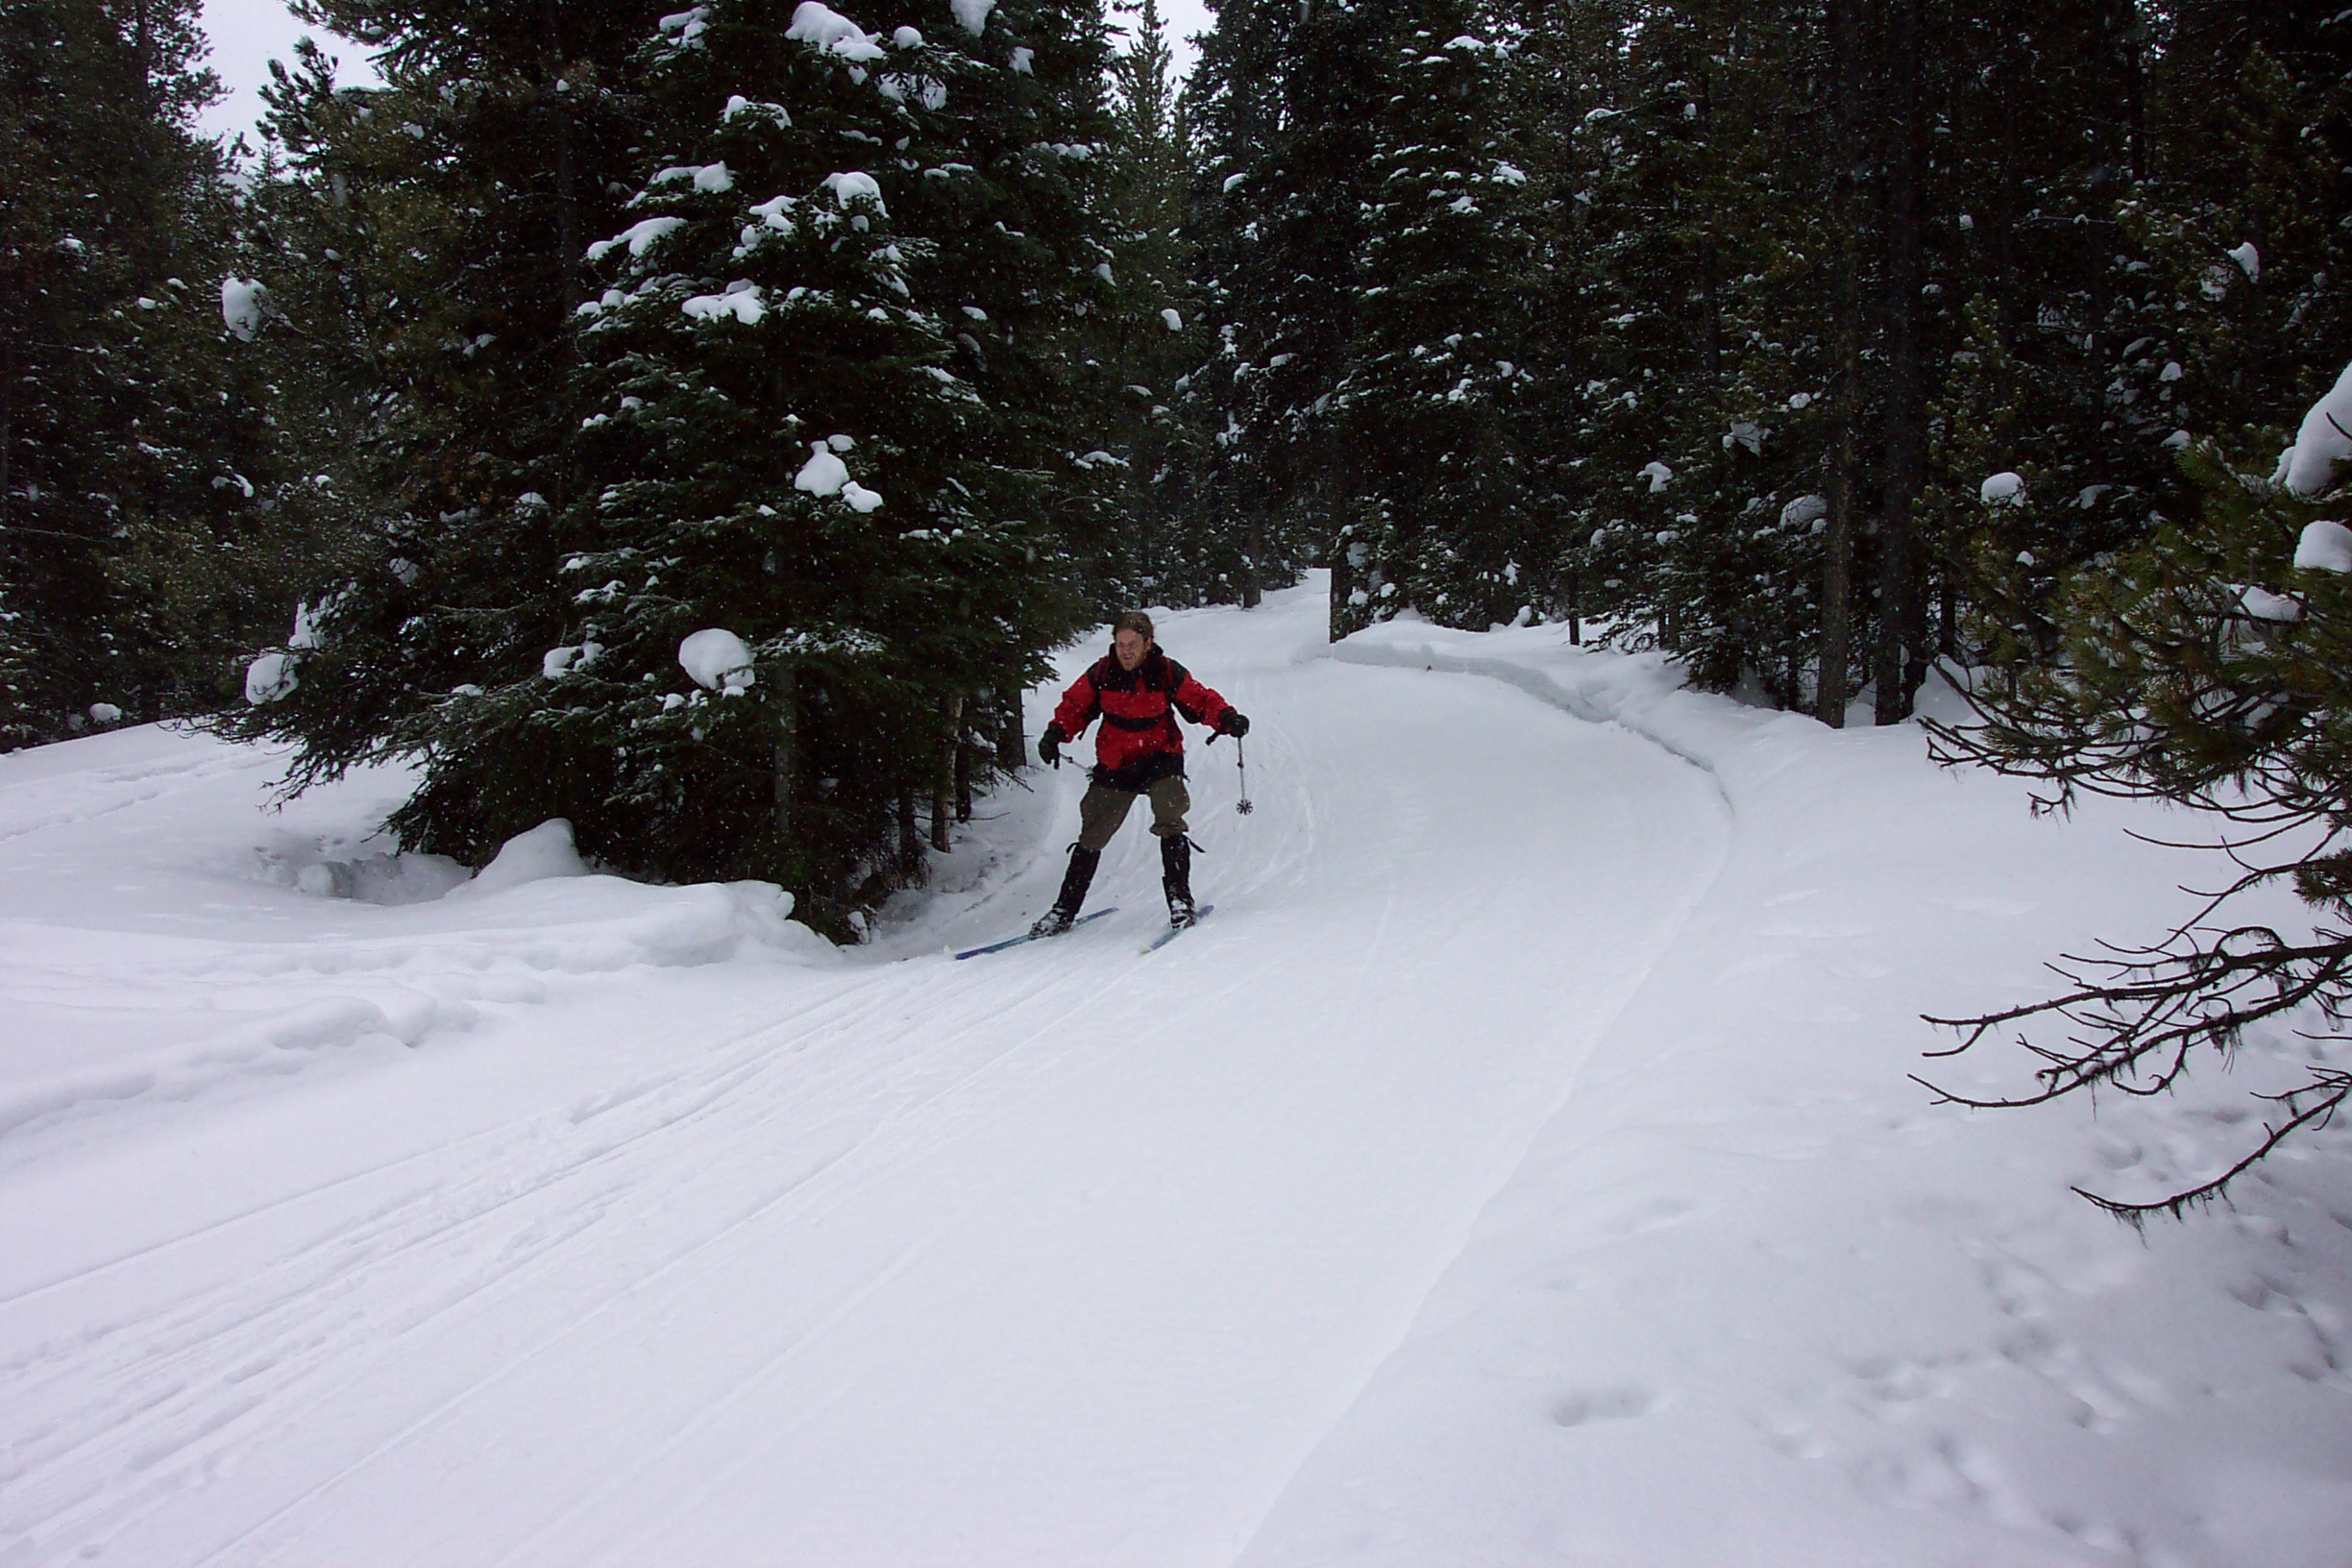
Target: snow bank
[[542, 852], [1871, 1328], [2003, 489], [171, 932]]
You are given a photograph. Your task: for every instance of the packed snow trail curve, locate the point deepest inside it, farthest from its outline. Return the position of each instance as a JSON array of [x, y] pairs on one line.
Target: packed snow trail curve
[[1066, 1257]]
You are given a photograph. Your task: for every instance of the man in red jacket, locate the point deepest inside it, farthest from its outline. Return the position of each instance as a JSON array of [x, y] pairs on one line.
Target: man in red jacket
[[1137, 693]]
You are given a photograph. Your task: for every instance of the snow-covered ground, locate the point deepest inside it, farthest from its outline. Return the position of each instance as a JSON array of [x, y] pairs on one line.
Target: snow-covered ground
[[1519, 1167]]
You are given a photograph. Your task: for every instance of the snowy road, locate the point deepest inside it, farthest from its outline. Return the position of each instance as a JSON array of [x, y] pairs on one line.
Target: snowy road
[[578, 1227]]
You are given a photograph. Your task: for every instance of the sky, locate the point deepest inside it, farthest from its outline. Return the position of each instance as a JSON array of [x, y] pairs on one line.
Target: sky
[[247, 35]]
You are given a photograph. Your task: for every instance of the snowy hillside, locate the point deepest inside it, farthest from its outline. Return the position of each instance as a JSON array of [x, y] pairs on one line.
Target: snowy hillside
[[1519, 1167]]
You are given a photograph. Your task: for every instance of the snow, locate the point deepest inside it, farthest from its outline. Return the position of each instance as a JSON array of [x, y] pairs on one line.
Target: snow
[[859, 498], [740, 301], [2324, 441], [718, 660], [974, 14], [269, 677], [824, 474], [1518, 1168], [1171, 320], [774, 213], [538, 855], [907, 37], [639, 238], [1023, 60], [244, 306], [1658, 475], [829, 31], [738, 106], [2324, 547], [1805, 510], [2249, 261], [2262, 604], [854, 186], [2003, 489]]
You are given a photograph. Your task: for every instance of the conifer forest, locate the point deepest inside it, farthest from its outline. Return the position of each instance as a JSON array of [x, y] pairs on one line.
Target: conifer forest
[[1817, 344]]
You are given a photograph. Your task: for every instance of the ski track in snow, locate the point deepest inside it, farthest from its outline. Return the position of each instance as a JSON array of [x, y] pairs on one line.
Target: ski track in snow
[[1417, 1208], [705, 1287]]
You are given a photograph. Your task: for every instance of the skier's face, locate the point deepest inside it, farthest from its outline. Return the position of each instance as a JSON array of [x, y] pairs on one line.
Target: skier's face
[[1130, 646]]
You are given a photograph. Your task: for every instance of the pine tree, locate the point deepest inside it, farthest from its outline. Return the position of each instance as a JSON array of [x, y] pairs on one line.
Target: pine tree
[[1159, 557], [429, 236], [824, 396], [1282, 99], [130, 443], [2205, 667], [1440, 519], [785, 450]]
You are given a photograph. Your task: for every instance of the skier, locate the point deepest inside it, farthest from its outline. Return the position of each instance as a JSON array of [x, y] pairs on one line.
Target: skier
[[1137, 690]]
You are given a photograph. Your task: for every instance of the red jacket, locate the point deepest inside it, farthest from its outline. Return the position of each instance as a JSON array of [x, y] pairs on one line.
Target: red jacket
[[1139, 741]]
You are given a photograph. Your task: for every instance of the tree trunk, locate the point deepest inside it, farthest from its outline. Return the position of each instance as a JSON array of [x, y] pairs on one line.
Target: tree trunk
[[1252, 544], [1899, 623], [1011, 743], [910, 836], [1845, 457], [787, 764], [943, 776], [7, 409], [557, 99], [1342, 579], [962, 767]]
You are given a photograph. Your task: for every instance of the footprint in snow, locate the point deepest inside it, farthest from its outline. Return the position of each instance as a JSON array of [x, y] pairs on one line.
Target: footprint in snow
[[1589, 1405]]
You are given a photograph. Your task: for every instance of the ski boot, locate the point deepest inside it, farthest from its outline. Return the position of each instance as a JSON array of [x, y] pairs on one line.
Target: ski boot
[[1176, 880], [1074, 884]]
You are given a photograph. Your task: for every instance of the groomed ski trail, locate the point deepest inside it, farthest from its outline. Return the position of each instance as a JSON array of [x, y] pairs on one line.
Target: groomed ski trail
[[1062, 1257]]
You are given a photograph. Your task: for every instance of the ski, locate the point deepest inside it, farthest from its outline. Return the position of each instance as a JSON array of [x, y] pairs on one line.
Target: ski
[[1016, 942], [1174, 931]]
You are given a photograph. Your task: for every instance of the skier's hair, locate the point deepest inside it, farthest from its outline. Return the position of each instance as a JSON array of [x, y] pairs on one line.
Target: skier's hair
[[1135, 621]]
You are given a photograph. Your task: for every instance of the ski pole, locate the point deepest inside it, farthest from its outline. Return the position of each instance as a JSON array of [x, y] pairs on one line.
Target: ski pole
[[1242, 806]]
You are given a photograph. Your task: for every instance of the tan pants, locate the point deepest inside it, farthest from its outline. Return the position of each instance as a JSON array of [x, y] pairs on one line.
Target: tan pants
[[1102, 809]]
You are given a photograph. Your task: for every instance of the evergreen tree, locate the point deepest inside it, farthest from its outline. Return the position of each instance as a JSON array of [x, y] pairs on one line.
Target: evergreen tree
[[132, 444], [1159, 558], [429, 236], [785, 451], [1282, 99], [826, 394], [2207, 666], [1439, 513]]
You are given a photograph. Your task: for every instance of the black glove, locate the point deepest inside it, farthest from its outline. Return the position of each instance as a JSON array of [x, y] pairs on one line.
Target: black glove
[[1235, 724], [1050, 746]]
